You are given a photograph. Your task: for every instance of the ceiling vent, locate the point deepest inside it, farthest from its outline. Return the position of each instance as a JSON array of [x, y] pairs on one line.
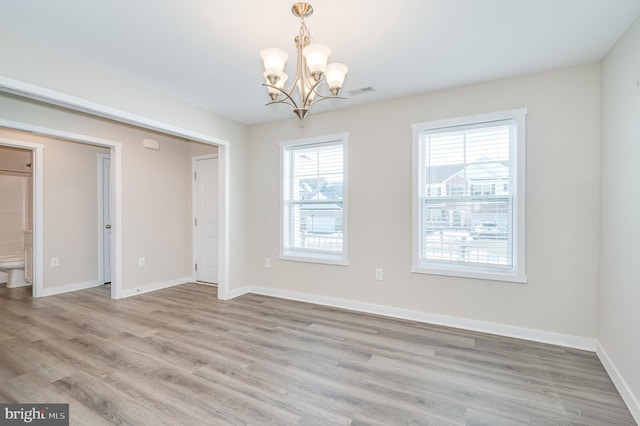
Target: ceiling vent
[[361, 91]]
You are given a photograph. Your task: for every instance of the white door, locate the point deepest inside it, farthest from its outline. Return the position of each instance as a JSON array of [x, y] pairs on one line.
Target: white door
[[105, 192], [206, 219]]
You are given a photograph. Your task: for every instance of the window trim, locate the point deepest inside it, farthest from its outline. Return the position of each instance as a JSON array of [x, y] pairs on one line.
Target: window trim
[[517, 273], [312, 256]]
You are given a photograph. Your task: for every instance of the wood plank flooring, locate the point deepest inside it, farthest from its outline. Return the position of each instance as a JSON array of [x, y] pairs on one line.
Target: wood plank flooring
[[181, 357]]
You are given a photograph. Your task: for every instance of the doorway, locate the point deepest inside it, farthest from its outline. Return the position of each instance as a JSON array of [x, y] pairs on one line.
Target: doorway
[[16, 212], [36, 242], [38, 184], [205, 218]]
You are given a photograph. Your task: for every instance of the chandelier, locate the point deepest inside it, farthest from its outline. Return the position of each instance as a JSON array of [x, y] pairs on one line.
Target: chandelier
[[311, 70]]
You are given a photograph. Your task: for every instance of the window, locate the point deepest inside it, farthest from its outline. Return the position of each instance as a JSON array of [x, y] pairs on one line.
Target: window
[[475, 228], [434, 191], [313, 200], [483, 189]]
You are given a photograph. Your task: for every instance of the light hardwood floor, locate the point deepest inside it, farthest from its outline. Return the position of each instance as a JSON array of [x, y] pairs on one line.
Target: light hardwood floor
[[180, 356]]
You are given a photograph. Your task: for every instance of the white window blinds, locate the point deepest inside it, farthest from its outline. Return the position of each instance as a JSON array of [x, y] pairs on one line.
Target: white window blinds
[[467, 217], [313, 202], [471, 221]]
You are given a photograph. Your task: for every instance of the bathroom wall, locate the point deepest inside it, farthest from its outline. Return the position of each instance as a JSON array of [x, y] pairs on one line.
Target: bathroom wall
[[12, 211], [15, 198]]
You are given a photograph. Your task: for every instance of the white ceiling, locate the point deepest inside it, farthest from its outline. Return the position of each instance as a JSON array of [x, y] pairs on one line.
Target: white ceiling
[[205, 52]]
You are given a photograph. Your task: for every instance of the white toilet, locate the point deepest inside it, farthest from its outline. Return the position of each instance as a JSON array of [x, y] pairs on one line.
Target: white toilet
[[12, 262]]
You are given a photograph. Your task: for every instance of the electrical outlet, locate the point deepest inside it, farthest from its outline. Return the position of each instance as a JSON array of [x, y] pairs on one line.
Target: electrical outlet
[[142, 262], [267, 262], [379, 274], [55, 262]]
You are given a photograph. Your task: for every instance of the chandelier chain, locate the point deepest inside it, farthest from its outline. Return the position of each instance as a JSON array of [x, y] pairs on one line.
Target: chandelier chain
[[305, 34]]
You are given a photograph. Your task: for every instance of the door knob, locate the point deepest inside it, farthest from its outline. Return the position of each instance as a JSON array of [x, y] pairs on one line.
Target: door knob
[[108, 226]]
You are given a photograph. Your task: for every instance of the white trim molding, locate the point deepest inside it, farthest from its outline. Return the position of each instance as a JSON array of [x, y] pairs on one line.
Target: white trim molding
[[237, 292], [155, 286], [50, 291], [621, 385], [569, 341], [53, 97]]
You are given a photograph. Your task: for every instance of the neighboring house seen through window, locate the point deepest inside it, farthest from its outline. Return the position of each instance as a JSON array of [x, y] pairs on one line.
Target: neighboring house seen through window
[[469, 196], [313, 200]]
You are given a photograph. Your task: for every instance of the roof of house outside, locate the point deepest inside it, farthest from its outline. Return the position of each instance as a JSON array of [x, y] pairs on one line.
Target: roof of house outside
[[474, 172]]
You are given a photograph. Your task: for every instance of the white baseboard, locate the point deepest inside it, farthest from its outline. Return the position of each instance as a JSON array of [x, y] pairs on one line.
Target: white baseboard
[[231, 294], [620, 384], [155, 286], [565, 340], [70, 287]]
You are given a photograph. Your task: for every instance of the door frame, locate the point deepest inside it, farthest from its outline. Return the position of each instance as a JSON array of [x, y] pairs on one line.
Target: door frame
[[194, 159], [53, 97], [37, 219]]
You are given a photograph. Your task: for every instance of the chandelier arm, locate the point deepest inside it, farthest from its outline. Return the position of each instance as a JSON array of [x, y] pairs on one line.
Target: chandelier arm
[[320, 97], [324, 98], [291, 102], [312, 89]]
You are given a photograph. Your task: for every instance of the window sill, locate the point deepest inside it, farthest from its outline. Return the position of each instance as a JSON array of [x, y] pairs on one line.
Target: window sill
[[324, 258], [480, 275]]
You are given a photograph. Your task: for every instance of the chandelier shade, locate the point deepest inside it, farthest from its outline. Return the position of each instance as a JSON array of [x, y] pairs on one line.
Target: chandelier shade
[[273, 60], [313, 74], [335, 74], [316, 56]]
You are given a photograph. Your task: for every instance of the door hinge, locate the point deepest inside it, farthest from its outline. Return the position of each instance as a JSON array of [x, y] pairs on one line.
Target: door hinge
[[196, 267], [195, 221], [195, 175]]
